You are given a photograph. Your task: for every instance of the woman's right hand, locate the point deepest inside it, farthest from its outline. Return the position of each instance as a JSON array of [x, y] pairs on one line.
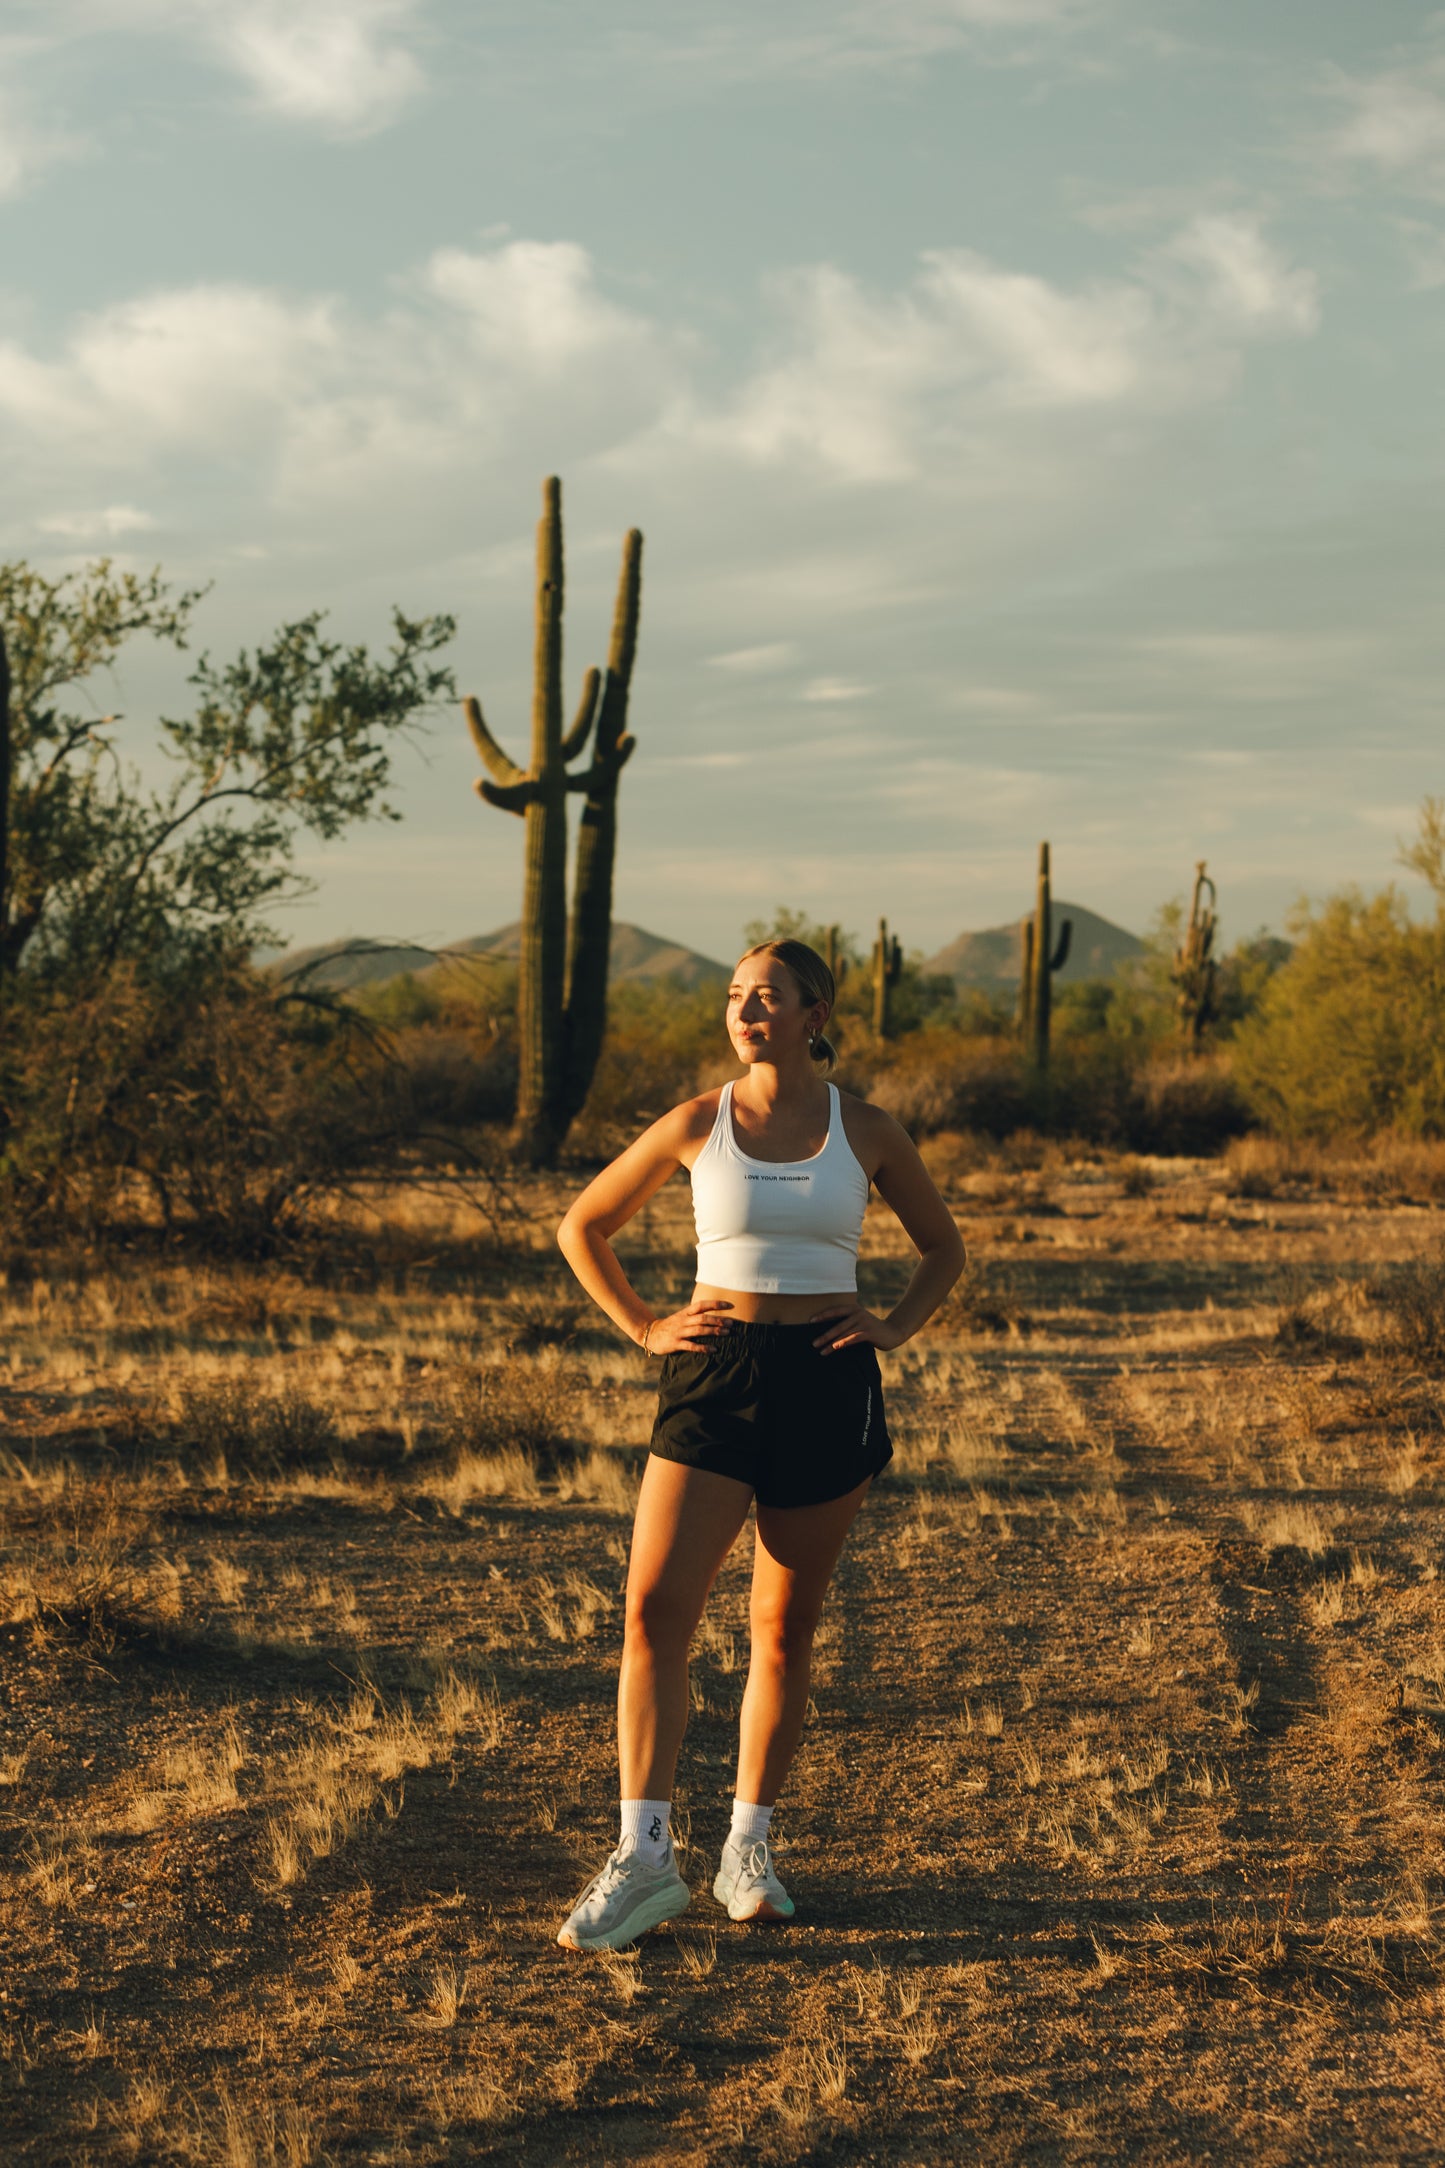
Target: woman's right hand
[[689, 1328]]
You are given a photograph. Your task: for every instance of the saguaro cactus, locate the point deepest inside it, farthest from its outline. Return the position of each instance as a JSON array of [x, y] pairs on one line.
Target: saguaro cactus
[[562, 973], [1193, 970], [887, 970], [1040, 958], [835, 956]]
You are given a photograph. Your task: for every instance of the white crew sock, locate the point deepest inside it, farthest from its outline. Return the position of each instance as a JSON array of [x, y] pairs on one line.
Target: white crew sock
[[646, 1822], [749, 1824]]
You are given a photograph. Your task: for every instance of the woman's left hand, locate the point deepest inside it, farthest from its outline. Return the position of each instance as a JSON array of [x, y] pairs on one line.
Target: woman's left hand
[[853, 1326]]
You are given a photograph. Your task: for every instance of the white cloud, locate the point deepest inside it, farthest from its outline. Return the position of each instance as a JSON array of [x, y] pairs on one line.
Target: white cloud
[[830, 689], [101, 525], [1397, 123], [1394, 119], [29, 141], [344, 66], [1247, 278], [532, 305], [1015, 396], [194, 365], [340, 63], [972, 359], [773, 655]]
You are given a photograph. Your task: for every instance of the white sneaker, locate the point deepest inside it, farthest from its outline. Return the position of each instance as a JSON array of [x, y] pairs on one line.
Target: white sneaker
[[747, 1885], [624, 1901]]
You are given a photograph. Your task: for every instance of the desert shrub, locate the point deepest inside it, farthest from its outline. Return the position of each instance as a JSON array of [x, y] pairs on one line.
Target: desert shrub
[[458, 1076], [1186, 1105], [453, 1028], [507, 1408], [1400, 1170], [232, 1419], [228, 1106], [1317, 1320], [937, 1079], [1347, 1040], [1413, 1299], [1262, 1166]]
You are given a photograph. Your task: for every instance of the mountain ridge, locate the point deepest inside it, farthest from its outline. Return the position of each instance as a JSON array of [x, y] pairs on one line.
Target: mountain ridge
[[345, 966], [990, 959], [987, 959]]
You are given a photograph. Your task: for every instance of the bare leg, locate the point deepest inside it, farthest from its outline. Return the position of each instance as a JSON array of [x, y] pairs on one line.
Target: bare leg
[[687, 1522], [797, 1549]]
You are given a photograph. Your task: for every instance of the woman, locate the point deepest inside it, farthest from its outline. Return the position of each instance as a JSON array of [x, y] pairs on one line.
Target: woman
[[770, 1392]]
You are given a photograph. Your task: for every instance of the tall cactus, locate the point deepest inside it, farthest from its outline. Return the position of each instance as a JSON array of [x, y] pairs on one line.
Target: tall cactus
[[1040, 959], [887, 970], [835, 956], [562, 973], [1193, 970]]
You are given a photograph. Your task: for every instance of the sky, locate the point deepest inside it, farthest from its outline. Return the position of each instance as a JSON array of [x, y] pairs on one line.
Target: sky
[[1032, 409]]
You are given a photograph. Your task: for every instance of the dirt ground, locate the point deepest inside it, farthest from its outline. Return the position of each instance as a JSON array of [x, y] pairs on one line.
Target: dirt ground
[[1117, 1828]]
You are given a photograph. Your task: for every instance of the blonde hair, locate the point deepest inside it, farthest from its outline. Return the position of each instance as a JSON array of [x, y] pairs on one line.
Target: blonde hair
[[814, 981]]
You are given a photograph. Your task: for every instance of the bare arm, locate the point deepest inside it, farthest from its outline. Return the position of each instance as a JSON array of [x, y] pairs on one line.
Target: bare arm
[[905, 1184], [609, 1202]]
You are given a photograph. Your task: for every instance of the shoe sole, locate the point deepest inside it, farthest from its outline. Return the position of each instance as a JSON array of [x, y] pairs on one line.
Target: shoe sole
[[766, 1911], [667, 1905]]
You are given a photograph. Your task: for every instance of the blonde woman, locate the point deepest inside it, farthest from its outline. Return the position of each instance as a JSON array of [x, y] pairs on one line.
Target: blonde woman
[[770, 1395]]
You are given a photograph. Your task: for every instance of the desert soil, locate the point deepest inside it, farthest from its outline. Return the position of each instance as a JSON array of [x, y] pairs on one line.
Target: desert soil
[[1116, 1833]]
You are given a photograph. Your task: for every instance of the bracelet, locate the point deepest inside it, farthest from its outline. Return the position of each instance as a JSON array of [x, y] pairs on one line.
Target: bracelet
[[647, 1336]]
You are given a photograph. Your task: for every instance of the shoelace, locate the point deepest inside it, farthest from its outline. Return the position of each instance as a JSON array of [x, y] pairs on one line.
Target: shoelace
[[757, 1862], [610, 1878]]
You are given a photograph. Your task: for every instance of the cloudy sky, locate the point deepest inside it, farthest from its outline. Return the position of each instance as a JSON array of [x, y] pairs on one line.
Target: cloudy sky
[[1032, 409]]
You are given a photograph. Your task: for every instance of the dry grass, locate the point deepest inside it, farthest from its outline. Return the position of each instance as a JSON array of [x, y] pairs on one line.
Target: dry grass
[[312, 1603]]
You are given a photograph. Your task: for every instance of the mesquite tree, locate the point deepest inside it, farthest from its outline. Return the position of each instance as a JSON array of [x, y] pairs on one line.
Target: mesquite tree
[[1193, 970], [130, 909], [1039, 959], [562, 967], [95, 863]]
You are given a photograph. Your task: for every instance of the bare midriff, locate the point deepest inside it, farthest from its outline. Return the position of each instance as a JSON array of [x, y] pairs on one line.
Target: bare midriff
[[751, 1309]]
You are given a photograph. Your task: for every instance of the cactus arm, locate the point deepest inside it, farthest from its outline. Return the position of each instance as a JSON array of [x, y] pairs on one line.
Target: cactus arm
[[1061, 953], [604, 769], [499, 765], [511, 797], [576, 737]]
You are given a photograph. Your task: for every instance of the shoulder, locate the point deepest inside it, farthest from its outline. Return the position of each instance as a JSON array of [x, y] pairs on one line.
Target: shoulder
[[877, 1140], [686, 1127]]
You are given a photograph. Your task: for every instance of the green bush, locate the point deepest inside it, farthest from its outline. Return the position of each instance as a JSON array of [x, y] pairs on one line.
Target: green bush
[[1346, 1040]]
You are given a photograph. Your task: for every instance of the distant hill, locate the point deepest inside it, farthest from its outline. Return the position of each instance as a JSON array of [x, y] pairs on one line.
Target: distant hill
[[636, 955], [990, 960]]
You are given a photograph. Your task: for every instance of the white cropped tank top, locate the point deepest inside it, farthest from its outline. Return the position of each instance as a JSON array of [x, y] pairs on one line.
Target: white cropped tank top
[[785, 1227]]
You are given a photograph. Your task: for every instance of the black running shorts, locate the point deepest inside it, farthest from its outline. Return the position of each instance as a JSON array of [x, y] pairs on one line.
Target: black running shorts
[[762, 1404]]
